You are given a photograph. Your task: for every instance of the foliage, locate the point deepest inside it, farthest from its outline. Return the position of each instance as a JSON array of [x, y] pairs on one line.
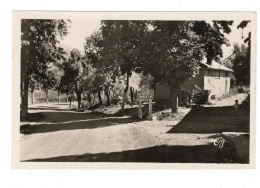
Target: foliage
[[39, 44], [58, 74], [241, 64], [104, 74], [48, 80], [171, 52], [121, 41], [212, 37], [78, 75], [39, 39], [147, 81], [242, 25], [33, 83]]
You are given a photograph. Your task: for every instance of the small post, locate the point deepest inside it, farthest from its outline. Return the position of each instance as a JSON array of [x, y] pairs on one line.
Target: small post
[[140, 109], [150, 109]]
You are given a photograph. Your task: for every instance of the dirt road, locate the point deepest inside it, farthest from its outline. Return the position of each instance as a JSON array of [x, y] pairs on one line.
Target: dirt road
[[59, 134]]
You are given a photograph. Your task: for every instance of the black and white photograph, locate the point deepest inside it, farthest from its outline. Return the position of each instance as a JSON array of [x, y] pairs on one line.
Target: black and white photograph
[[134, 89]]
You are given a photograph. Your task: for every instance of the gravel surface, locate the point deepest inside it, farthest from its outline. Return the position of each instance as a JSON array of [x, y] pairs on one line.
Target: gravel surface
[[59, 134]]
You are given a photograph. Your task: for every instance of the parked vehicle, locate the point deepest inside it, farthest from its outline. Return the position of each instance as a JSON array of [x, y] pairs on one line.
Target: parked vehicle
[[187, 98], [200, 98]]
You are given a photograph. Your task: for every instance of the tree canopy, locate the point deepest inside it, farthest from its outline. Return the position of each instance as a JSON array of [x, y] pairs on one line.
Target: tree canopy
[[212, 37], [241, 62], [39, 43], [171, 52], [78, 75]]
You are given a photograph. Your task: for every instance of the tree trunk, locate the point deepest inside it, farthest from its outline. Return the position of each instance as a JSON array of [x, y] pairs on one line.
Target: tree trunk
[[132, 95], [99, 97], [174, 99], [46, 91], [32, 96], [67, 99], [24, 98], [125, 91], [24, 87], [107, 95], [136, 93], [70, 99], [58, 96], [79, 99]]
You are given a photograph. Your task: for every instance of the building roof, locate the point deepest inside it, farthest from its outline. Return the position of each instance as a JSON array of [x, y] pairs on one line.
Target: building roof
[[215, 66]]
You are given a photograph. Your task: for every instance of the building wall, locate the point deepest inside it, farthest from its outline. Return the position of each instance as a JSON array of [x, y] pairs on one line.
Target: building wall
[[217, 81], [162, 91]]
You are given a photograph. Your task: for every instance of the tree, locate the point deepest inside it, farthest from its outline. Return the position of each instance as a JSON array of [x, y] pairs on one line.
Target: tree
[[241, 64], [66, 86], [58, 74], [212, 37], [120, 45], [39, 39], [48, 80], [242, 25], [147, 81], [105, 74], [177, 47], [78, 75], [33, 84], [171, 55]]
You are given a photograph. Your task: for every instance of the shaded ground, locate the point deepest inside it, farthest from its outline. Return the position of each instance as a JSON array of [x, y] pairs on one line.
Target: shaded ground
[[162, 154], [240, 142], [58, 121], [213, 120], [55, 133]]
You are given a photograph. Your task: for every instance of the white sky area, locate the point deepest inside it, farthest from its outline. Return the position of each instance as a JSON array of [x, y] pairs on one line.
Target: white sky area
[[80, 29]]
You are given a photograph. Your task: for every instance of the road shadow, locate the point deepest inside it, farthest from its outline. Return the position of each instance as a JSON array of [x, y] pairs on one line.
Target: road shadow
[[158, 154], [47, 108], [33, 117], [214, 120], [58, 121]]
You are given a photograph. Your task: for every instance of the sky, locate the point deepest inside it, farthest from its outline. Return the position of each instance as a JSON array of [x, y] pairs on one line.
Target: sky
[[78, 31]]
